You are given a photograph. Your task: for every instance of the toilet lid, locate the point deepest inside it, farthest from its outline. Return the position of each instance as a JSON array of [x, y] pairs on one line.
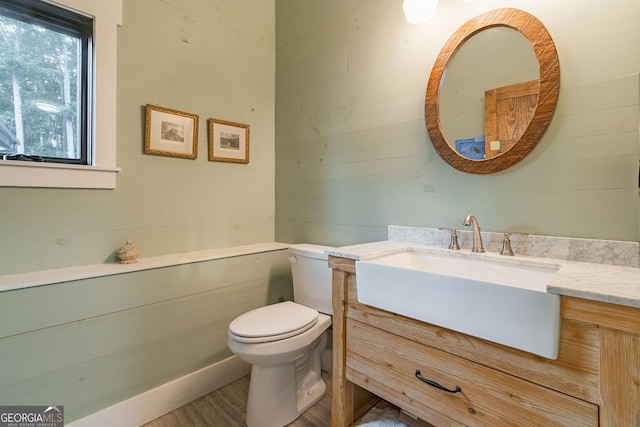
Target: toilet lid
[[273, 322]]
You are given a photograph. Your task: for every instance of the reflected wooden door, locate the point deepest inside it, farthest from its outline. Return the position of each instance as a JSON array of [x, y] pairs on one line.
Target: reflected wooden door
[[507, 113]]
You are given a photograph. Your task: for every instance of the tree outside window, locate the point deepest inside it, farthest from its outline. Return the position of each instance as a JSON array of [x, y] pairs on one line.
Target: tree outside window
[[41, 87]]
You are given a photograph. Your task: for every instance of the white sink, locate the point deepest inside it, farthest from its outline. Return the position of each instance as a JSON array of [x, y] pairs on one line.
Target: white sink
[[501, 301]]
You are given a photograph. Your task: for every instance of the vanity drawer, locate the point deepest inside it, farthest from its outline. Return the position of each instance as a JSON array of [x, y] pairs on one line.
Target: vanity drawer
[[386, 364]]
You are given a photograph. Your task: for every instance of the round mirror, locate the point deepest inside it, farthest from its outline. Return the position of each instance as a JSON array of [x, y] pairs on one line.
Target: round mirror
[[499, 94]]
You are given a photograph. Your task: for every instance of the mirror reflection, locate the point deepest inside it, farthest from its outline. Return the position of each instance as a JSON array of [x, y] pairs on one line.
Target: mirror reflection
[[489, 93]]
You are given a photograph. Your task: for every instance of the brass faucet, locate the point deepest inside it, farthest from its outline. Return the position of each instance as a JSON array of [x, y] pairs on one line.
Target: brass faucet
[[477, 237]]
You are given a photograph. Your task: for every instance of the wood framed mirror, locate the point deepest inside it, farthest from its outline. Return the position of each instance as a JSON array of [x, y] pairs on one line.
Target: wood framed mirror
[[544, 93]]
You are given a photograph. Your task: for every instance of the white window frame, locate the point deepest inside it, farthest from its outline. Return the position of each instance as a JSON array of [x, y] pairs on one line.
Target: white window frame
[[102, 172]]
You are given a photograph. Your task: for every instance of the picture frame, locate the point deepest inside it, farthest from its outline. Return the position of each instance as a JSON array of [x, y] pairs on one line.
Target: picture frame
[[228, 141], [170, 132]]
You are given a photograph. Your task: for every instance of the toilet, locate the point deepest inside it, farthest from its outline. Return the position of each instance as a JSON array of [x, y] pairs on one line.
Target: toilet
[[284, 343]]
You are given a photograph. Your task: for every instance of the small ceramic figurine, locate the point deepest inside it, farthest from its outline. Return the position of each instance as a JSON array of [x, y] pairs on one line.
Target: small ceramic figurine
[[128, 253]]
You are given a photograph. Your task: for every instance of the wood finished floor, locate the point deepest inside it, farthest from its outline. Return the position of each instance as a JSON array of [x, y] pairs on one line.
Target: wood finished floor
[[226, 407]]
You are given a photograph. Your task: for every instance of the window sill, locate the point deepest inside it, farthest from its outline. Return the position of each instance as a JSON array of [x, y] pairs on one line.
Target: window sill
[[49, 277], [54, 175]]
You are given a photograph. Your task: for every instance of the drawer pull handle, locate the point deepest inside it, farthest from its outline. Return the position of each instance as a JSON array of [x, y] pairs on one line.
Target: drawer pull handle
[[435, 384]]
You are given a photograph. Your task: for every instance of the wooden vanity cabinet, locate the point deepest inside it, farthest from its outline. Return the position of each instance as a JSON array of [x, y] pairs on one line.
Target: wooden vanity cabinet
[[595, 380]]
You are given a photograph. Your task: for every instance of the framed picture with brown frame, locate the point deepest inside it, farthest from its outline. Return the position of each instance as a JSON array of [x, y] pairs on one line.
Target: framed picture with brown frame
[[228, 141], [170, 133]]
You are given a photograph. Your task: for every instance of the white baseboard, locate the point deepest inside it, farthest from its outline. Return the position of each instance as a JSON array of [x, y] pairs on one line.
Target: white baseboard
[[163, 399]]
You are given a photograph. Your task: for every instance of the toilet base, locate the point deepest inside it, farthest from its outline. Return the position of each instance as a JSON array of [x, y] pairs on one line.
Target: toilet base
[[280, 394], [277, 406]]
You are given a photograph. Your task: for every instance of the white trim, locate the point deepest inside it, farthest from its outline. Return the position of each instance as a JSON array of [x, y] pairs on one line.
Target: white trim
[[11, 282], [163, 399], [35, 174]]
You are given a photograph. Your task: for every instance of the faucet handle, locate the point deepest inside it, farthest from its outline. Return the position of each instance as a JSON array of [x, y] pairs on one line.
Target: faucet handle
[[506, 243], [453, 243]]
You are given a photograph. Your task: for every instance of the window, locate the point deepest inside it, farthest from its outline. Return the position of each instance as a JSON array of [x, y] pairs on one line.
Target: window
[[44, 82], [57, 92]]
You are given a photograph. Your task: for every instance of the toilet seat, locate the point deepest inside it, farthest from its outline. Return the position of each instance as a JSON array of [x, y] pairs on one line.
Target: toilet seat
[[273, 322]]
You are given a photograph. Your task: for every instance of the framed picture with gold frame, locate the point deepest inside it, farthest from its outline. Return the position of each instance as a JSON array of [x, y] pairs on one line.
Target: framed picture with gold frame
[[228, 141], [170, 132]]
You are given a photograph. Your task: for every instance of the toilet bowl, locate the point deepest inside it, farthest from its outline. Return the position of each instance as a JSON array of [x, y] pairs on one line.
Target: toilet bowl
[[284, 343]]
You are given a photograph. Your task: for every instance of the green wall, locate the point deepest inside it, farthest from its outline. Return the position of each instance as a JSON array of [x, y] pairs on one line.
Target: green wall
[[353, 154], [91, 343], [214, 59]]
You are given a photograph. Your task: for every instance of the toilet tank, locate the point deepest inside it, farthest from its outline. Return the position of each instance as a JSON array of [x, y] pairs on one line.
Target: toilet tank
[[311, 276]]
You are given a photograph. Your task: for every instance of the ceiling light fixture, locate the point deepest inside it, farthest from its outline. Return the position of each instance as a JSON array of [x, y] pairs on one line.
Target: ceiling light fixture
[[419, 11]]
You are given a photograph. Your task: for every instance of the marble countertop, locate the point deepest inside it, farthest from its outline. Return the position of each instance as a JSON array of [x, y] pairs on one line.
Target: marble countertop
[[593, 281]]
